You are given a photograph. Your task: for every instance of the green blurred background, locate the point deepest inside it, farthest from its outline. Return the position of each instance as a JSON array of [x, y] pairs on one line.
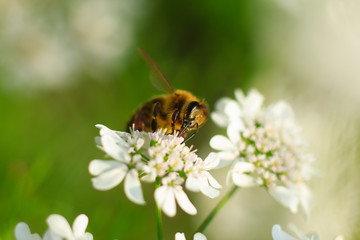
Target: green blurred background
[[68, 65]]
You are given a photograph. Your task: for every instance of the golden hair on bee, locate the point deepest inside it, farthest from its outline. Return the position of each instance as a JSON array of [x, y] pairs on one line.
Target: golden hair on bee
[[179, 110]]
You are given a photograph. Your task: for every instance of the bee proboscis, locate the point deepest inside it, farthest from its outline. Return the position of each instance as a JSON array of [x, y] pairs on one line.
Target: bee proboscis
[[178, 110]]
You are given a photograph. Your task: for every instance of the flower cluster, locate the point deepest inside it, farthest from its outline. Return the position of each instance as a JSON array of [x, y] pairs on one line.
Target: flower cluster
[[265, 148], [59, 229], [153, 157]]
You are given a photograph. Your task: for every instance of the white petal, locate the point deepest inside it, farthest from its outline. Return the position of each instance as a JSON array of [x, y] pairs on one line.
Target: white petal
[[60, 226], [113, 149], [184, 202], [165, 199], [79, 225], [233, 132], [221, 103], [110, 178], [301, 235], [180, 236], [232, 109], [49, 235], [212, 180], [253, 103], [237, 123], [22, 231], [242, 167], [88, 236], [211, 161], [226, 158], [220, 142], [199, 236], [280, 111], [150, 177], [209, 191], [239, 95], [279, 234], [96, 167], [133, 187], [104, 130], [139, 143], [220, 119], [192, 184], [35, 236], [243, 180], [305, 197], [286, 197]]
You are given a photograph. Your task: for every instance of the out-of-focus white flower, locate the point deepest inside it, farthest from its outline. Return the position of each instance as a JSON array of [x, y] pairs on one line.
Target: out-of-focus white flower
[[153, 157], [197, 236], [36, 54], [123, 148], [266, 149], [171, 190], [22, 232], [228, 111], [60, 227], [279, 234], [112, 25]]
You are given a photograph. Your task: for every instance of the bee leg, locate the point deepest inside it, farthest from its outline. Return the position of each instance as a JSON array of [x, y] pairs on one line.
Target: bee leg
[[173, 120], [193, 134], [183, 128], [155, 113]]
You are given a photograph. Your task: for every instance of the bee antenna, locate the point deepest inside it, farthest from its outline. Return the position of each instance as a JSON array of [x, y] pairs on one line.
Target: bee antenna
[[193, 134]]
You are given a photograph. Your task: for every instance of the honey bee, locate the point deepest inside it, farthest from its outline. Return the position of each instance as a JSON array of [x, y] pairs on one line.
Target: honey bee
[[178, 110]]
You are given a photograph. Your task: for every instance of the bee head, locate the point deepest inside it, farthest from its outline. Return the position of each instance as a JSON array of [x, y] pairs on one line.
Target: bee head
[[196, 114]]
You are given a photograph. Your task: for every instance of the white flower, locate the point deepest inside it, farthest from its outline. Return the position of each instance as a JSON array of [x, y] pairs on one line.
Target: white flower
[[292, 196], [230, 148], [199, 179], [228, 111], [153, 157], [197, 236], [60, 227], [170, 190], [266, 149], [22, 232], [279, 234], [122, 147]]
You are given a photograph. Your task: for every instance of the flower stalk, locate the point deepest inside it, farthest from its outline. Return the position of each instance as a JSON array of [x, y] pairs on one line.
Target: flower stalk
[[158, 216], [222, 202]]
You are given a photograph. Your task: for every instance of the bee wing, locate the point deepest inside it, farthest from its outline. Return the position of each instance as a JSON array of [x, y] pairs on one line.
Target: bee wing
[[157, 77]]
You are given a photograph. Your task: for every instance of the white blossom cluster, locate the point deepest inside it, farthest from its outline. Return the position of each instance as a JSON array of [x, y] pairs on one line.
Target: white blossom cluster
[[265, 148], [153, 157], [59, 229]]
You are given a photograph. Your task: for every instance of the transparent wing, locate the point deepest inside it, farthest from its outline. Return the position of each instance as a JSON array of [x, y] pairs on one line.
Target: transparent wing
[[157, 77]]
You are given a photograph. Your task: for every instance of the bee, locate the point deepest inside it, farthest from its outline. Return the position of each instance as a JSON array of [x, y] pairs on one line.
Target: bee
[[178, 110]]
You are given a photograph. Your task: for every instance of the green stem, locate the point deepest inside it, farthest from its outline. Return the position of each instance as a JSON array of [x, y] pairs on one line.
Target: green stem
[[212, 214], [145, 157], [158, 216]]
